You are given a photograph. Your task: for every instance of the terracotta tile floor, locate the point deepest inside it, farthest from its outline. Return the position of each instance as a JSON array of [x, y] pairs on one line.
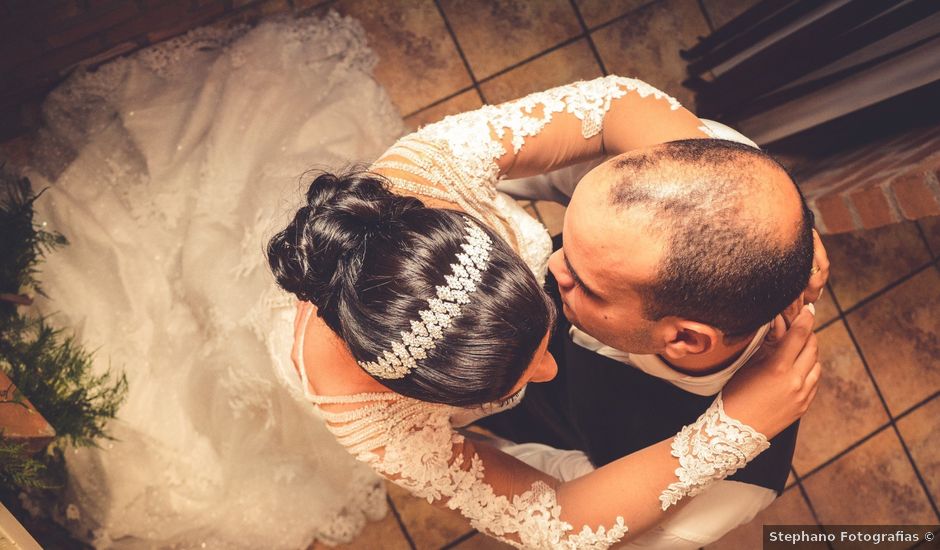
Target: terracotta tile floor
[[867, 451]]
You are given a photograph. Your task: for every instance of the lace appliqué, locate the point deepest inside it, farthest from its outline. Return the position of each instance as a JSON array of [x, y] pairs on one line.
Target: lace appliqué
[[712, 448], [413, 443], [459, 153]]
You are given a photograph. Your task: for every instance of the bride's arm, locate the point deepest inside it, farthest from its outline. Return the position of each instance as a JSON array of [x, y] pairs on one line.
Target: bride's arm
[[413, 444], [536, 134]]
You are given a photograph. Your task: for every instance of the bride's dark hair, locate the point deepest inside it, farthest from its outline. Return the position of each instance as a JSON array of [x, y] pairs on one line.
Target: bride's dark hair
[[370, 260]]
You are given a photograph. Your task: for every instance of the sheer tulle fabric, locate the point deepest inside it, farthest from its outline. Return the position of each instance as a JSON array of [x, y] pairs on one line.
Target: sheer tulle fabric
[[167, 171]]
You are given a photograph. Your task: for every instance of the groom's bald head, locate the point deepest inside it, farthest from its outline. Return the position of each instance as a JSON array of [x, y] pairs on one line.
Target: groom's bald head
[[690, 237], [736, 233]]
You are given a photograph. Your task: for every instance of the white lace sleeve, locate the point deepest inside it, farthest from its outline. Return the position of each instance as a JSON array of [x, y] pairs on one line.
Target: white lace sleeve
[[456, 159], [711, 449], [415, 445]]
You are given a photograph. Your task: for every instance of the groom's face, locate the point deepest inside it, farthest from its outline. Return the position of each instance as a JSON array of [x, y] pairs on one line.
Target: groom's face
[[607, 255]]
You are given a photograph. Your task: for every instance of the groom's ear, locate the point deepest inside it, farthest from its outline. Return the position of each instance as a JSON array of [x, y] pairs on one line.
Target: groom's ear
[[685, 338]]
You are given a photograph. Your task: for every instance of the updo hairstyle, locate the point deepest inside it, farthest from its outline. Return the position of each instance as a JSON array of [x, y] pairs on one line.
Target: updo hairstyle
[[370, 261]]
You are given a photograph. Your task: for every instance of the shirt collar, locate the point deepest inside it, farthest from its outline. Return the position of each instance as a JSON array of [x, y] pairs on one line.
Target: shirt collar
[[653, 365]]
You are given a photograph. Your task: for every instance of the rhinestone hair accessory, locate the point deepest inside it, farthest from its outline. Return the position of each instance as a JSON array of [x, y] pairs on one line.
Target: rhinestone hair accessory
[[465, 273]]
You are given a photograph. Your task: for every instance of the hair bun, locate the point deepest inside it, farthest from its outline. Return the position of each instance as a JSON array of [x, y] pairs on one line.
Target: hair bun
[[319, 255]]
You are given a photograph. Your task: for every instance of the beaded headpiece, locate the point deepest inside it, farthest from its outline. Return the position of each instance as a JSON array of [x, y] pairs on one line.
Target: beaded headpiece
[[463, 278]]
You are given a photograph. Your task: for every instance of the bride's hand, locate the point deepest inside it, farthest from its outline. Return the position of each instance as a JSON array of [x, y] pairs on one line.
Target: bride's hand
[[779, 383], [820, 272]]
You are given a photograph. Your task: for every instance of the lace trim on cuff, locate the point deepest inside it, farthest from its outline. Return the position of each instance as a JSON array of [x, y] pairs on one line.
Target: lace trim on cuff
[[712, 448]]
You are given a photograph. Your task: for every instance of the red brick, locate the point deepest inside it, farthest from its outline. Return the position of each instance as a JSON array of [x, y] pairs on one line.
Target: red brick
[[873, 207], [91, 24], [917, 192], [835, 213], [21, 421]]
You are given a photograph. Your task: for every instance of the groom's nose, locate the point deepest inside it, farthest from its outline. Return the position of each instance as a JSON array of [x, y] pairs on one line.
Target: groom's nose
[[556, 264]]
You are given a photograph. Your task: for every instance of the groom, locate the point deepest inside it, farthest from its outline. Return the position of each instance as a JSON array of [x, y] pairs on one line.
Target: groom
[[672, 260]]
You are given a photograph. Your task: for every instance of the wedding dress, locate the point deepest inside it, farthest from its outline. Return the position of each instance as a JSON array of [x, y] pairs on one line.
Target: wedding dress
[[168, 171]]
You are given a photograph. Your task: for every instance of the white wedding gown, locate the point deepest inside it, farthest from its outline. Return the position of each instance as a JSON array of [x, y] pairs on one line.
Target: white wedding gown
[[167, 171]]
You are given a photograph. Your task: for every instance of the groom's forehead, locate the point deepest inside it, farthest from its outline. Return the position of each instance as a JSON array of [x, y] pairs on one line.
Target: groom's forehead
[[611, 249]]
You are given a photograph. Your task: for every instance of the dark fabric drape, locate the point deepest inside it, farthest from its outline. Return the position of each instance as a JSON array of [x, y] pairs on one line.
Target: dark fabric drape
[[786, 66]]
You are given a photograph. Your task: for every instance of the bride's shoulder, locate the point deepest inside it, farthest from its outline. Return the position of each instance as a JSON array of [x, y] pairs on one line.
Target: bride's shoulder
[[330, 367]]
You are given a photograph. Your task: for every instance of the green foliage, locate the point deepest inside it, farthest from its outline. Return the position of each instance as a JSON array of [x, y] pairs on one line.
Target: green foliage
[[23, 243], [56, 375], [48, 366], [20, 469]]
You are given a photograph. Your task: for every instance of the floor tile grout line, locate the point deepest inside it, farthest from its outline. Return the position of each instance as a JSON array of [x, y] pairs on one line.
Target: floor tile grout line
[[620, 17], [917, 472], [828, 323], [460, 52], [477, 82], [538, 214], [883, 290], [587, 35], [917, 405], [501, 72], [533, 57], [851, 447], [401, 524], [812, 509], [462, 538], [444, 99], [891, 420], [923, 237]]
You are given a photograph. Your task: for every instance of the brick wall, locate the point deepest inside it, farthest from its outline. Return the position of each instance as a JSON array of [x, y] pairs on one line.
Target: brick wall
[[888, 181], [41, 40]]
